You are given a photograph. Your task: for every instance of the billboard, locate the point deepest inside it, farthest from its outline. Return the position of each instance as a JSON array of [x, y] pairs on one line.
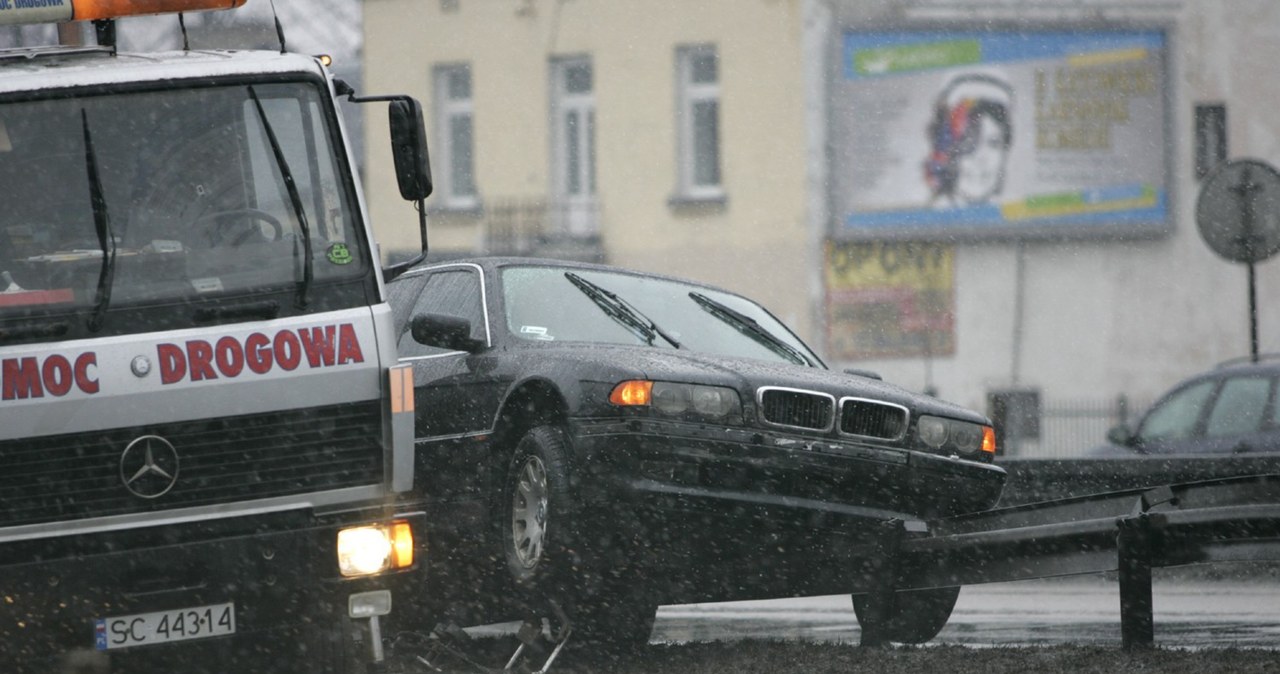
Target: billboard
[[890, 299], [939, 134]]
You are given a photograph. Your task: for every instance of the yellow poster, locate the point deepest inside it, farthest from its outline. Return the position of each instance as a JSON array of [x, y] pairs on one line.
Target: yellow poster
[[890, 299]]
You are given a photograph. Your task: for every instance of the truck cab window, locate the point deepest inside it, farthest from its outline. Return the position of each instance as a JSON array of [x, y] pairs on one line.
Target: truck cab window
[[199, 211]]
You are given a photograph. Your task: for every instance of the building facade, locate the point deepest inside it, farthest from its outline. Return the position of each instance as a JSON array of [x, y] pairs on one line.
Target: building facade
[[819, 156]]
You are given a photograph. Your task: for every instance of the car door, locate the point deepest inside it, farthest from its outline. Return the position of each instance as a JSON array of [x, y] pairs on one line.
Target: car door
[[456, 395]]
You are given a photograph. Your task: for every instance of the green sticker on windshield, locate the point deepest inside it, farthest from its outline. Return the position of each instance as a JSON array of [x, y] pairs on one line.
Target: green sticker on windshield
[[339, 254]]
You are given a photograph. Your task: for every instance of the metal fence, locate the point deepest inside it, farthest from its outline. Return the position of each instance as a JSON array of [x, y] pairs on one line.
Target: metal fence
[[542, 228], [1069, 428]]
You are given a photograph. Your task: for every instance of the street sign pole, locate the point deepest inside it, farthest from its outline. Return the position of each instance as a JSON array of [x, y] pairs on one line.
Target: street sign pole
[[1238, 214], [1248, 240], [1253, 314]]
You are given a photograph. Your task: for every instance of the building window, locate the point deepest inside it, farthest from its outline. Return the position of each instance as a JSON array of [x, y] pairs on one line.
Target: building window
[[455, 136], [573, 128], [698, 122]]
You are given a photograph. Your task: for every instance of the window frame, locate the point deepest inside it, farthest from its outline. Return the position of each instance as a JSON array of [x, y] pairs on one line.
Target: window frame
[[688, 95], [574, 211], [446, 109]]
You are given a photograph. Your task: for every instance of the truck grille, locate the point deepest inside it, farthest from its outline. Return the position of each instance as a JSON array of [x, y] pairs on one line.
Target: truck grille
[[872, 419], [798, 409], [227, 460]]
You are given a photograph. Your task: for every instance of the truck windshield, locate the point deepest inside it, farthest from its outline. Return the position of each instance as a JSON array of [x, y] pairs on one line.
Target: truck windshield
[[193, 192]]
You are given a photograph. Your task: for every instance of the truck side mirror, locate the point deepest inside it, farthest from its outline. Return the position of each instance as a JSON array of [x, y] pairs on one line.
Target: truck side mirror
[[409, 153], [444, 332], [409, 148]]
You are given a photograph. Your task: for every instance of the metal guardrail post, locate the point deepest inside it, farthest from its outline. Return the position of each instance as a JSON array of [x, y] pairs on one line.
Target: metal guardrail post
[[1133, 547], [884, 575]]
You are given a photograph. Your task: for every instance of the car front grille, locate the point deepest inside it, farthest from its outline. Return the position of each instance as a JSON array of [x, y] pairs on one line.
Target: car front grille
[[72, 477], [872, 419], [798, 409]]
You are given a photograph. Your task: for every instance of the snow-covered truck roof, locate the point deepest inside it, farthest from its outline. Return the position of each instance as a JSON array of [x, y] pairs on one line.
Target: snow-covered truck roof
[[35, 70]]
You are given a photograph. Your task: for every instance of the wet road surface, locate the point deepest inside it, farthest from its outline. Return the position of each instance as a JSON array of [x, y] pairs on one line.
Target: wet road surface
[[1082, 610]]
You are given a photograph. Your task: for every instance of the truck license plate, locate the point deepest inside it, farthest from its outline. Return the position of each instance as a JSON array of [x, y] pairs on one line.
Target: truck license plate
[[160, 627]]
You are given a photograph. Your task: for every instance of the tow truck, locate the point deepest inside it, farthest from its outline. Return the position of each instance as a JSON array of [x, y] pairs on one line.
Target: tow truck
[[205, 438]]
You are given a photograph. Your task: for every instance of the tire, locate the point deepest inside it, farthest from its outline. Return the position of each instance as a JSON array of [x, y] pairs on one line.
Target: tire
[[536, 512], [915, 617]]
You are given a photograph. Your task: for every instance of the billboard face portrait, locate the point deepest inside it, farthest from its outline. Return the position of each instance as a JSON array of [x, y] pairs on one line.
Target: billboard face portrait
[[969, 135], [1010, 134]]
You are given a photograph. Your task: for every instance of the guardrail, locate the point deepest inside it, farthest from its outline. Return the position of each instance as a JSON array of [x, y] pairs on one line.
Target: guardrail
[[1032, 480], [1128, 532]]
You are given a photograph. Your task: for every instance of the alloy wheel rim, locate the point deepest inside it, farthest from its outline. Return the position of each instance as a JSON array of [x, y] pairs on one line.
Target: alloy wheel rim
[[529, 512]]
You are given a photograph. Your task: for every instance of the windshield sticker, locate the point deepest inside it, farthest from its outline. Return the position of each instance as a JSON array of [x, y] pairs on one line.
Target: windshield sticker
[[338, 253], [535, 332], [207, 285]]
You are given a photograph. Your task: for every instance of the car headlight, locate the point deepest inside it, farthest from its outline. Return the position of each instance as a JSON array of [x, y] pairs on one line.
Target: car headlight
[[366, 550], [713, 403], [959, 436]]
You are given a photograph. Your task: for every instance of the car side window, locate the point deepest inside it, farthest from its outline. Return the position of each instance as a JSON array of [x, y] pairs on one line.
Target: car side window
[[1239, 407], [401, 294], [1176, 416], [452, 292]]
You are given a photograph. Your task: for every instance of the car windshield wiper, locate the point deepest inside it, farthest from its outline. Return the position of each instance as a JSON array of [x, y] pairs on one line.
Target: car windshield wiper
[[102, 223], [621, 311], [751, 328], [295, 200]]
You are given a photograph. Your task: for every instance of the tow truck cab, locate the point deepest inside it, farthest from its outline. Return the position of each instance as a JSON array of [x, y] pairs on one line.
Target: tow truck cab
[[205, 441]]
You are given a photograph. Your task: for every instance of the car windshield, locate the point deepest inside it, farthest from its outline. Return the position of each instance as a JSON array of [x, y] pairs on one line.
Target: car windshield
[[201, 210], [545, 304]]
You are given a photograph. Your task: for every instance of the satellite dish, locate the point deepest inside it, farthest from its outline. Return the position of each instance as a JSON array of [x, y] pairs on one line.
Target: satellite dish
[[1238, 211]]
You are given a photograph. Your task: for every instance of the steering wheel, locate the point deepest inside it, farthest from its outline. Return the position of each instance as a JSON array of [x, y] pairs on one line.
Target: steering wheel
[[224, 231]]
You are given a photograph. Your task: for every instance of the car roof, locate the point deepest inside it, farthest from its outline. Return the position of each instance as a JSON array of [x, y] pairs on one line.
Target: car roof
[[1264, 362], [494, 263], [1235, 367]]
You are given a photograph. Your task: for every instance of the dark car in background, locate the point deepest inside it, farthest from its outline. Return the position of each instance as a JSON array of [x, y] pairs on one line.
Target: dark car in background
[[1229, 410], [613, 440]]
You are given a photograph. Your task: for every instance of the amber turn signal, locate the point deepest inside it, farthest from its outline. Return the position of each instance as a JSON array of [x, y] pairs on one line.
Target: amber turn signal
[[632, 392], [989, 440]]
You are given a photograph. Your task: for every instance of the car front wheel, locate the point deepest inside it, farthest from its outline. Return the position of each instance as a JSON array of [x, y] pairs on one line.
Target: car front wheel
[[536, 512]]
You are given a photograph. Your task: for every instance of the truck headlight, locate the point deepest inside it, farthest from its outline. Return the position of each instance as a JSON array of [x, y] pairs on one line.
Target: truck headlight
[[366, 550]]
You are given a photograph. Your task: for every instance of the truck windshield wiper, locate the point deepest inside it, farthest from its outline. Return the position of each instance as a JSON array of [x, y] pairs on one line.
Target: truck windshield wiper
[[751, 328], [102, 223], [295, 200], [621, 311]]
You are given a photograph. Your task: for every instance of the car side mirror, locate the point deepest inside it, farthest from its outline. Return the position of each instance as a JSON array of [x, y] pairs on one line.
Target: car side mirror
[[444, 332], [1121, 435]]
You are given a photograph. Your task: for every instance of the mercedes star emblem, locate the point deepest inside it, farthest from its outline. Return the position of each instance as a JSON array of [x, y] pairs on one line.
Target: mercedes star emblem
[[149, 467]]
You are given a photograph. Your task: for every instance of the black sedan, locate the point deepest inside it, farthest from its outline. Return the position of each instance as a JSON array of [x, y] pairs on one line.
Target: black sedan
[[614, 440]]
